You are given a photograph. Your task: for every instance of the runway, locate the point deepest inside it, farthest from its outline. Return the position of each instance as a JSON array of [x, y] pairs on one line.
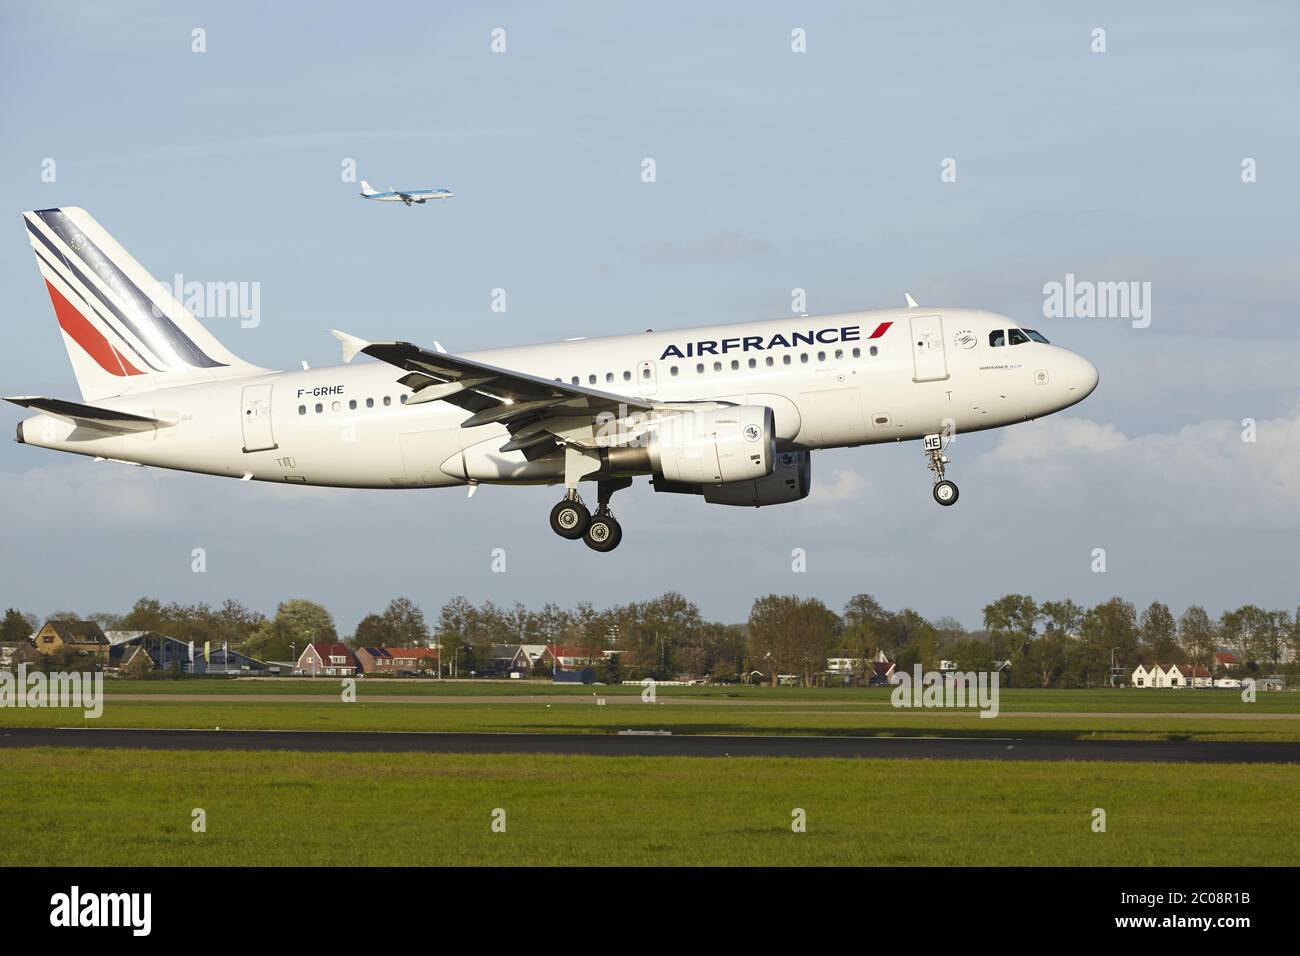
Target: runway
[[654, 745]]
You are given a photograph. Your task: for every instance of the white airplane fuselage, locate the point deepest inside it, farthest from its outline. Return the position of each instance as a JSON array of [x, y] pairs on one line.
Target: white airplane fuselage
[[839, 382]]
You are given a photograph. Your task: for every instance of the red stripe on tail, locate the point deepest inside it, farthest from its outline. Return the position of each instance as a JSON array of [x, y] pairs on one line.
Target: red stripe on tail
[[88, 337]]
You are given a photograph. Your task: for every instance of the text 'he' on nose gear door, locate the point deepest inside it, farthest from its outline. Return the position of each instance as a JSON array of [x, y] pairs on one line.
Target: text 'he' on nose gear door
[[929, 363], [256, 418]]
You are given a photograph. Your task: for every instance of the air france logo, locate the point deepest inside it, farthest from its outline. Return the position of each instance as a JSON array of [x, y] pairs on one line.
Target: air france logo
[[75, 909], [753, 433], [760, 343]]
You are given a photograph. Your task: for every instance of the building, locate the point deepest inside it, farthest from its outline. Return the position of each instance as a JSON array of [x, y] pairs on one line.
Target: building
[[572, 657], [1225, 660], [519, 658], [844, 663], [81, 637], [396, 660], [128, 658], [320, 659], [171, 655], [8, 649], [1170, 675]]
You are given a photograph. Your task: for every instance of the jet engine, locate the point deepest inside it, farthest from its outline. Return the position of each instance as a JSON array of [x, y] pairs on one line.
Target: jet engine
[[790, 480], [714, 446]]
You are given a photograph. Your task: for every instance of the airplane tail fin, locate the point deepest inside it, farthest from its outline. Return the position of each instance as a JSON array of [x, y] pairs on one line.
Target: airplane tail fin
[[124, 330], [367, 189]]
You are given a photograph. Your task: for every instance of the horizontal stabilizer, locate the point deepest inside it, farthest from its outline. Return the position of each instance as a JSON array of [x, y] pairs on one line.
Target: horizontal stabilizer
[[89, 416]]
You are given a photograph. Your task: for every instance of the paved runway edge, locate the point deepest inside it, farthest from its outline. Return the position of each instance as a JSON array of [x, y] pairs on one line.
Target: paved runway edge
[[616, 745]]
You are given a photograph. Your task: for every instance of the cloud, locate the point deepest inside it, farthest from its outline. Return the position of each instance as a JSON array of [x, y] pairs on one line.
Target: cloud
[[1203, 474]]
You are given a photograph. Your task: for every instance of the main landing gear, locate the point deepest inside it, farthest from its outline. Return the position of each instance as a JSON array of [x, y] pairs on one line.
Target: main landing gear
[[571, 519], [945, 491]]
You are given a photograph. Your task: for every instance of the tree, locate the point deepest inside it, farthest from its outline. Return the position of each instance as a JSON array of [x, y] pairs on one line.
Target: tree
[[793, 635], [1160, 633], [297, 623], [1109, 634], [1061, 617], [1048, 658], [14, 627], [1198, 636], [1011, 621]]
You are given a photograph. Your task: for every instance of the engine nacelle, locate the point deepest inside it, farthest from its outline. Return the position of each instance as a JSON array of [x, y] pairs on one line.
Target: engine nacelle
[[790, 480], [715, 446]]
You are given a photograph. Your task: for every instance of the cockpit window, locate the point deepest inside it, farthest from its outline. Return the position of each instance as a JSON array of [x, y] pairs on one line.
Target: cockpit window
[[1037, 336], [997, 337], [1016, 337]]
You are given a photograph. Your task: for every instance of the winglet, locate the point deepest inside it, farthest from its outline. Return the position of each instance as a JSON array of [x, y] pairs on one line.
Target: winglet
[[351, 344], [438, 346], [911, 303]]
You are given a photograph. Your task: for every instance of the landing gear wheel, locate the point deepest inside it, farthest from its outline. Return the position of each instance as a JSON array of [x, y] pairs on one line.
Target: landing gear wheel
[[569, 519], [603, 533], [945, 492]]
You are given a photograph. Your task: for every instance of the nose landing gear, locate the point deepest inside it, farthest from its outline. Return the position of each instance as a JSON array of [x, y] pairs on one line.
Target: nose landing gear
[[945, 491]]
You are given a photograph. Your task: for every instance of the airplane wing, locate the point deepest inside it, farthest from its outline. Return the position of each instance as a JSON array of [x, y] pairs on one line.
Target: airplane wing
[[535, 410]]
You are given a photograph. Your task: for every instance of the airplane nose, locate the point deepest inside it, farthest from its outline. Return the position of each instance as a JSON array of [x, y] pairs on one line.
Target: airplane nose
[[1080, 377]]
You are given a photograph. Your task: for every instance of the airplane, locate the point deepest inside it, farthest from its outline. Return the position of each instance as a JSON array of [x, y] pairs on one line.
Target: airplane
[[729, 413], [407, 196]]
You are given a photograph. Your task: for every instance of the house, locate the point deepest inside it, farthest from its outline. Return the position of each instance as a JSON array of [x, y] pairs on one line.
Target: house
[[1185, 675], [129, 658], [519, 658], [573, 657], [1225, 660], [320, 659], [1170, 675], [1144, 676], [82, 637], [845, 663], [396, 660]]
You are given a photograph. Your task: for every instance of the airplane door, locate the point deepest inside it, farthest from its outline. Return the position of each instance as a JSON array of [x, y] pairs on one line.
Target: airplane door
[[929, 363], [645, 378], [256, 418]]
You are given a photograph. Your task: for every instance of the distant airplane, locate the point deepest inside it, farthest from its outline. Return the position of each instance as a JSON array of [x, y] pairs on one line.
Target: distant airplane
[[729, 413], [407, 196]]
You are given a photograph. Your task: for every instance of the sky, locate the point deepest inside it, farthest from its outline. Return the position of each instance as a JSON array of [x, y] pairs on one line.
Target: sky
[[775, 170]]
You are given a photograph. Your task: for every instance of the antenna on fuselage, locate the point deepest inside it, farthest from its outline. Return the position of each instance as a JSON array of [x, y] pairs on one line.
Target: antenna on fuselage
[[911, 303]]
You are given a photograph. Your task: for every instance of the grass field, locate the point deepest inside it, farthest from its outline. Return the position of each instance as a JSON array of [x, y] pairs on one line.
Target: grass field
[[539, 707], [134, 808]]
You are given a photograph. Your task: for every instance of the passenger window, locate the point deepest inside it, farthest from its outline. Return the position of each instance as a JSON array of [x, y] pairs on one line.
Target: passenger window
[[387, 400], [645, 372], [302, 409], [734, 365], [803, 357], [370, 403], [402, 399], [821, 356], [717, 366], [319, 408], [575, 380], [609, 377], [699, 369], [1016, 337], [785, 359], [591, 380], [857, 353], [672, 370], [627, 376], [874, 350], [997, 337], [352, 403], [839, 354], [753, 363]]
